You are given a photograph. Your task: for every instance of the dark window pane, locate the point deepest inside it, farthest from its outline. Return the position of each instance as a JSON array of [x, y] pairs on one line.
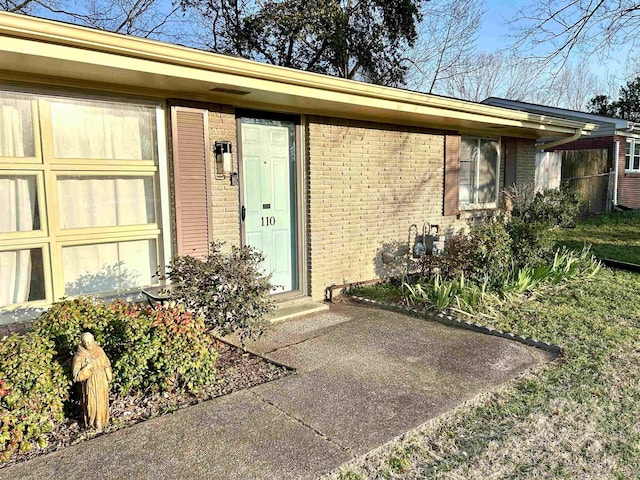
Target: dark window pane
[[468, 169], [21, 276], [488, 171]]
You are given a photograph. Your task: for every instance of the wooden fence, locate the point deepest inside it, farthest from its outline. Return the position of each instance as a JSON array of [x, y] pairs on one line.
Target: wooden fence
[[587, 171]]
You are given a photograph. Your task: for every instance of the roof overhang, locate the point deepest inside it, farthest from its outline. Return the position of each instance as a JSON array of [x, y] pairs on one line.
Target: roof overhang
[[41, 51]]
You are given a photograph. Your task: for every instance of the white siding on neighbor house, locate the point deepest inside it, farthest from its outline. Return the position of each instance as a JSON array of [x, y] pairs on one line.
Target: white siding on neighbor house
[[548, 170]]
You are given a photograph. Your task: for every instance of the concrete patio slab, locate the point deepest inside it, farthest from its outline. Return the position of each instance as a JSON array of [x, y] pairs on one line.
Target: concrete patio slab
[[388, 373], [234, 437], [364, 376]]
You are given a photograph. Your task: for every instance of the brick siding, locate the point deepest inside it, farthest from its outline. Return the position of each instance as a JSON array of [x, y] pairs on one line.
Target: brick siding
[[224, 197], [526, 161], [367, 183]]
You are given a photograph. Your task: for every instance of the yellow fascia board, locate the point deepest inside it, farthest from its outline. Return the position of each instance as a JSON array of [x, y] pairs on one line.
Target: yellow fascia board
[[89, 46]]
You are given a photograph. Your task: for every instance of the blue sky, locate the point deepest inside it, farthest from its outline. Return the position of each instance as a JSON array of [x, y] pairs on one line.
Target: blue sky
[[495, 30]]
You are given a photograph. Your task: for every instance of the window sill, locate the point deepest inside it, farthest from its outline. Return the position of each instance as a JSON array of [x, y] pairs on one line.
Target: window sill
[[632, 173], [478, 207]]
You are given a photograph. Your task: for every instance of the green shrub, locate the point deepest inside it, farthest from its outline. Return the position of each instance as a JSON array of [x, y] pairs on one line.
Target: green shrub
[[65, 321], [493, 251], [531, 243], [33, 389], [167, 350], [556, 207], [161, 348], [483, 253], [227, 289]]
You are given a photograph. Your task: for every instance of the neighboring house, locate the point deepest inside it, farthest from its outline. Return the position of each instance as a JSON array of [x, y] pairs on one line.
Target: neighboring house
[[117, 153], [621, 139]]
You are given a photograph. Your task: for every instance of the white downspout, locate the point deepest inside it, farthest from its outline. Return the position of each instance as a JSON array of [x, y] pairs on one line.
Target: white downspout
[[616, 165], [544, 146]]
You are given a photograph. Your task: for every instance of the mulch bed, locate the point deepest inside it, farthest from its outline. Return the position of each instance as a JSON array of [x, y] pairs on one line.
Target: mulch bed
[[235, 369]]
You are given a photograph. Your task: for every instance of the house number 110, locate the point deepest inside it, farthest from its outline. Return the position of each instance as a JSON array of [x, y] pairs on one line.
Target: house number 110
[[268, 221]]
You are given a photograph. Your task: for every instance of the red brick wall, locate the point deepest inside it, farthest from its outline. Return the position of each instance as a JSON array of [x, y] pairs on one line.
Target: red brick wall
[[628, 183]]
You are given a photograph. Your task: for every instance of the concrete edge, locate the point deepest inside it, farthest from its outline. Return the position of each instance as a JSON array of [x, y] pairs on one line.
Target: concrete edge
[[276, 319], [256, 354], [454, 322], [619, 265]]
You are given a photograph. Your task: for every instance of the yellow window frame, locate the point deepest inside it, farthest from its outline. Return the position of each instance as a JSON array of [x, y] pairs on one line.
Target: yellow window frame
[[46, 167]]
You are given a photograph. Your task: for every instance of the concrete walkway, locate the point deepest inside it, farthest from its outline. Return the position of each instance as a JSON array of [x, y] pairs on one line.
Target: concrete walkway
[[364, 376]]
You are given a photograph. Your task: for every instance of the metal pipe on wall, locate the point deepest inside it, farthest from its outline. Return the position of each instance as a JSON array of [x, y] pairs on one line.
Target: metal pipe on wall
[[616, 165]]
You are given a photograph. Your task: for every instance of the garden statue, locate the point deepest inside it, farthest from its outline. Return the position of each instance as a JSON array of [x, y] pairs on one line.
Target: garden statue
[[92, 367]]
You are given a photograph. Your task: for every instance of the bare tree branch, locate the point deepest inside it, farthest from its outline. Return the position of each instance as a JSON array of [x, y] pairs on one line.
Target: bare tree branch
[[448, 32], [552, 30], [159, 19]]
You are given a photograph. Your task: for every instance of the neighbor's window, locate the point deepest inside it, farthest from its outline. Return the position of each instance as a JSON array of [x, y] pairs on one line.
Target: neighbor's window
[[479, 165], [632, 156]]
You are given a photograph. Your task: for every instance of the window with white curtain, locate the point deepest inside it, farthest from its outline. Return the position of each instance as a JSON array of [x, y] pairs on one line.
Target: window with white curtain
[[104, 131], [107, 201], [19, 200], [479, 172], [96, 164], [16, 126]]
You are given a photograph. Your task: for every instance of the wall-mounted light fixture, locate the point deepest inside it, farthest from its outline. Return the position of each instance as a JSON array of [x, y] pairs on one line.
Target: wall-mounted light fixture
[[222, 150]]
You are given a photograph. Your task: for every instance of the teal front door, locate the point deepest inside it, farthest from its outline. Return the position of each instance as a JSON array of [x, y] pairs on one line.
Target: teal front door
[[268, 176]]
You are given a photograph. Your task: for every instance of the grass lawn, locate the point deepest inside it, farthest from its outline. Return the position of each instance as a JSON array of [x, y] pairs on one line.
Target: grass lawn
[[613, 235], [577, 418]]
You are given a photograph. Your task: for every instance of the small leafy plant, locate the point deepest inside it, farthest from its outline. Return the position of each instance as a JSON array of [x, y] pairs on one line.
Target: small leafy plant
[[227, 289]]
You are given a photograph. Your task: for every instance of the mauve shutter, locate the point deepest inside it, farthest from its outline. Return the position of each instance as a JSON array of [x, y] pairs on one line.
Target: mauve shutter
[[451, 174], [510, 154], [191, 171]]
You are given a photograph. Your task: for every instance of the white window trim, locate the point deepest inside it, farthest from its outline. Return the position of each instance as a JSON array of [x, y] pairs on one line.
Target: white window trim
[[488, 205], [633, 142]]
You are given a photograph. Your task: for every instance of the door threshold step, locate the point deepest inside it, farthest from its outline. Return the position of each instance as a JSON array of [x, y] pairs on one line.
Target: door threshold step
[[295, 309]]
